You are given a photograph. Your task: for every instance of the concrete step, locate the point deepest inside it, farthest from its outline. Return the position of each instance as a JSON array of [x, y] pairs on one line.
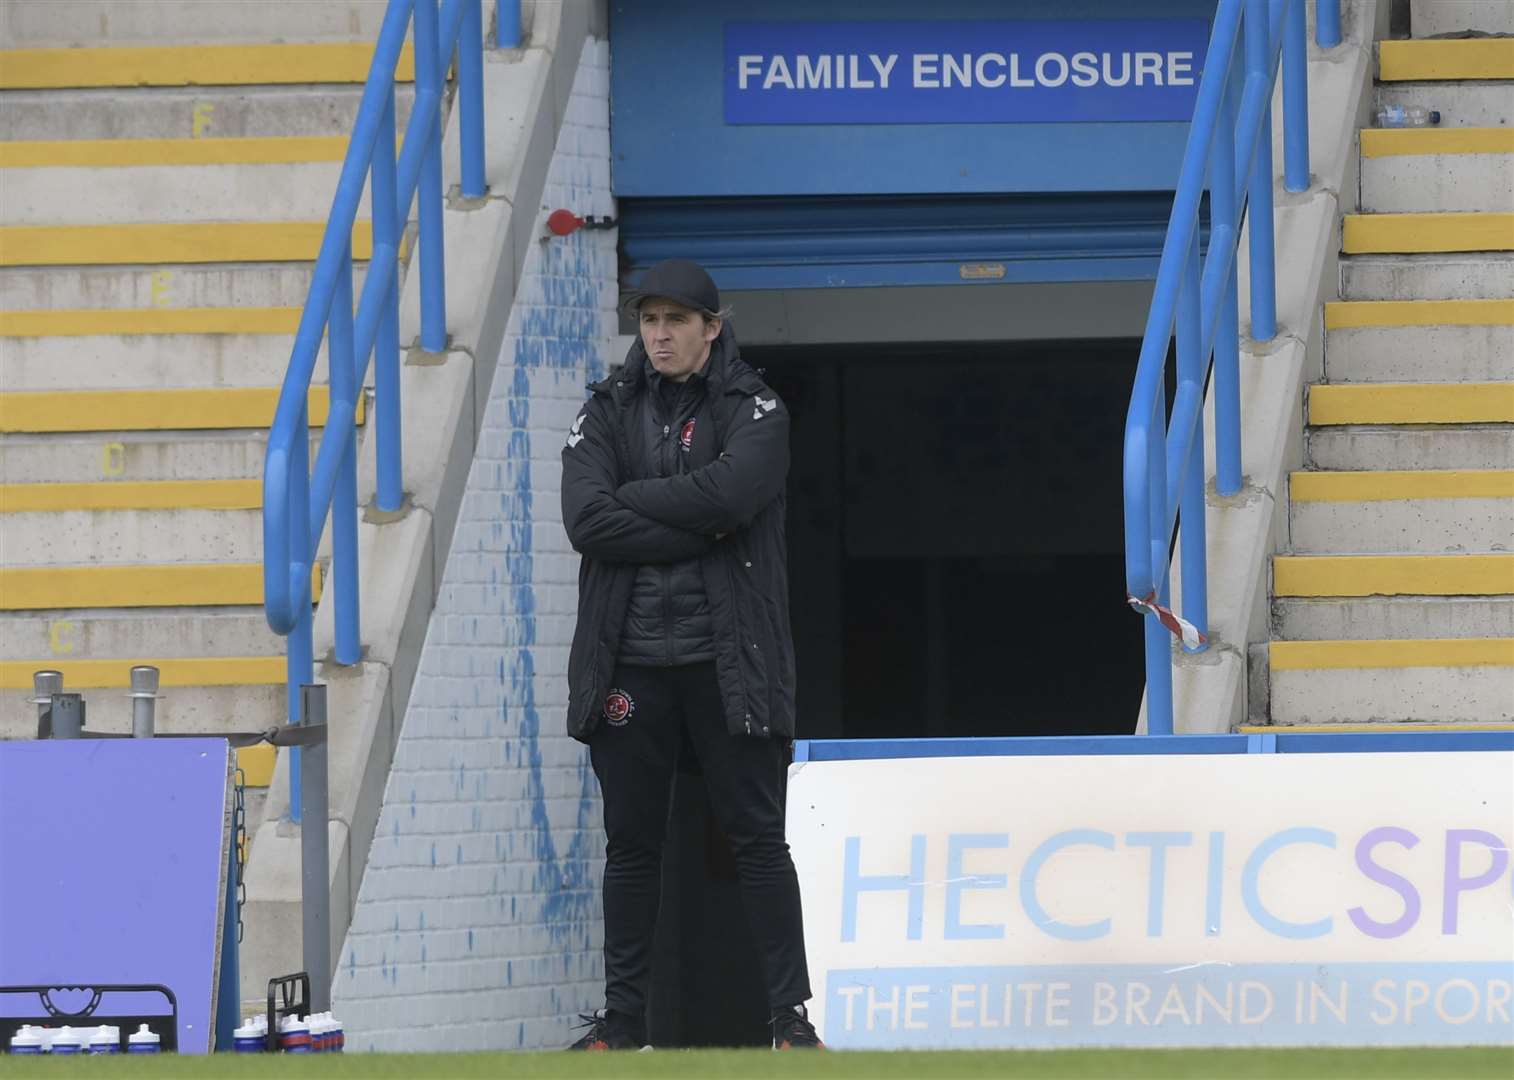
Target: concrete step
[[40, 411], [1428, 18], [1466, 103], [188, 709], [93, 537], [181, 242], [1428, 512], [62, 588], [88, 22], [1451, 680], [1407, 234], [194, 65], [1379, 617], [1355, 404], [169, 193], [144, 361], [134, 456], [1484, 276], [1437, 169], [105, 633], [61, 524], [1355, 448], [1392, 575], [188, 112], [1446, 59], [1419, 340], [119, 288]]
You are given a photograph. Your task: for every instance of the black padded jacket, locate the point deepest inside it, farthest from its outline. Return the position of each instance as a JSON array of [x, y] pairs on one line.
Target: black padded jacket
[[725, 511]]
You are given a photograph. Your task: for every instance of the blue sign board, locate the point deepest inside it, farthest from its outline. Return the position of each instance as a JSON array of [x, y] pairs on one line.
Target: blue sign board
[[963, 71]]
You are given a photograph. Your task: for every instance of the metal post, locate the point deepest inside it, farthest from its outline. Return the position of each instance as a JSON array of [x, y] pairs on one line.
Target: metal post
[[470, 96], [1223, 218], [344, 393], [428, 85], [1158, 642], [1327, 23], [507, 24], [68, 716], [315, 870], [301, 664], [387, 218], [1259, 200], [45, 684], [144, 700], [1295, 98], [1190, 477]]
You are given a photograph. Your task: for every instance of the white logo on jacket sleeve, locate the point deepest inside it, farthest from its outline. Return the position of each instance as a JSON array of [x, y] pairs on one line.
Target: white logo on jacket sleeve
[[764, 405], [576, 436]]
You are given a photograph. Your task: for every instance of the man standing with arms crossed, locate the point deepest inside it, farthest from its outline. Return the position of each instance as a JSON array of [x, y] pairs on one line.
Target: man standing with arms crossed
[[673, 493]]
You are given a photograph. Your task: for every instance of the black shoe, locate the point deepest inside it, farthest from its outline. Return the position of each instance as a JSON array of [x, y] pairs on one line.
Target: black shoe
[[608, 1030], [792, 1029]]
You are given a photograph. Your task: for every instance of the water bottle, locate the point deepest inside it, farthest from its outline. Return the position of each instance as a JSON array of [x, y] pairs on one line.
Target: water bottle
[[1407, 116], [337, 1037], [104, 1040], [68, 1041], [249, 1038], [27, 1041], [294, 1036], [143, 1041]]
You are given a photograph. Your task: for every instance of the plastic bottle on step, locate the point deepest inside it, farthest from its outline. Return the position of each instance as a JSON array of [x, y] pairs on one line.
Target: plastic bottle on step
[[28, 1040], [144, 1041], [1407, 116]]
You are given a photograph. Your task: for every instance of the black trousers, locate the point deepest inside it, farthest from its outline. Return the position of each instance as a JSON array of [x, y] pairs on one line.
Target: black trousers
[[649, 715]]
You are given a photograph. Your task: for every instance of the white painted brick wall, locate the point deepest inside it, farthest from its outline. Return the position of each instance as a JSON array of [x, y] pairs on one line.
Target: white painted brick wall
[[478, 923]]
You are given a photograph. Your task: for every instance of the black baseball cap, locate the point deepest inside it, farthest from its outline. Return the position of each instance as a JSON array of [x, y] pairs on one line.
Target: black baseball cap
[[679, 280]]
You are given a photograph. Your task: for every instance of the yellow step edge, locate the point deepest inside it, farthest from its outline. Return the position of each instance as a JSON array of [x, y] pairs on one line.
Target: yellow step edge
[[35, 588], [193, 65], [1402, 484], [1379, 727], [132, 495], [1436, 61], [1405, 653], [1410, 234], [1349, 314], [172, 672], [1393, 575], [1407, 142], [1411, 403], [111, 153], [256, 763], [183, 242], [96, 322], [38, 411]]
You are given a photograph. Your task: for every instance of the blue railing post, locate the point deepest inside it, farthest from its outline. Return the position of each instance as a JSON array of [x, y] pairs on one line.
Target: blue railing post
[[1327, 23], [1295, 97], [470, 97], [1259, 198], [428, 80], [1189, 478], [388, 220], [344, 395], [507, 24], [300, 667], [1158, 641], [1224, 218]]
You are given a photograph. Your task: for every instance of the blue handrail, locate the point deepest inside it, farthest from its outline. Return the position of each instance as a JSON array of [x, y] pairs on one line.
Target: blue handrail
[[296, 501], [1230, 147]]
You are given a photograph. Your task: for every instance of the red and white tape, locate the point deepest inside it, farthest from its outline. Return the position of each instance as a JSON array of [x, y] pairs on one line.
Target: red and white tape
[[1179, 626]]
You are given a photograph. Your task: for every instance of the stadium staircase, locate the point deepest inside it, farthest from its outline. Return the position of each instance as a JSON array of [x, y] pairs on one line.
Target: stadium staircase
[[1394, 603], [166, 170]]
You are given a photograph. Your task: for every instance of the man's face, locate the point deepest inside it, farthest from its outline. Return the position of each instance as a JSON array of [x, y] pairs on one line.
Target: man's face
[[676, 338]]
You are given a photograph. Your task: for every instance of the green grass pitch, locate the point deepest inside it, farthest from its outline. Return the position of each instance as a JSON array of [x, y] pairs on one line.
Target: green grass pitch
[[1327, 1064]]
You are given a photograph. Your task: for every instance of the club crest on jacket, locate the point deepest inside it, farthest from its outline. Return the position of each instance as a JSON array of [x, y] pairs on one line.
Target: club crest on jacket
[[618, 708]]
